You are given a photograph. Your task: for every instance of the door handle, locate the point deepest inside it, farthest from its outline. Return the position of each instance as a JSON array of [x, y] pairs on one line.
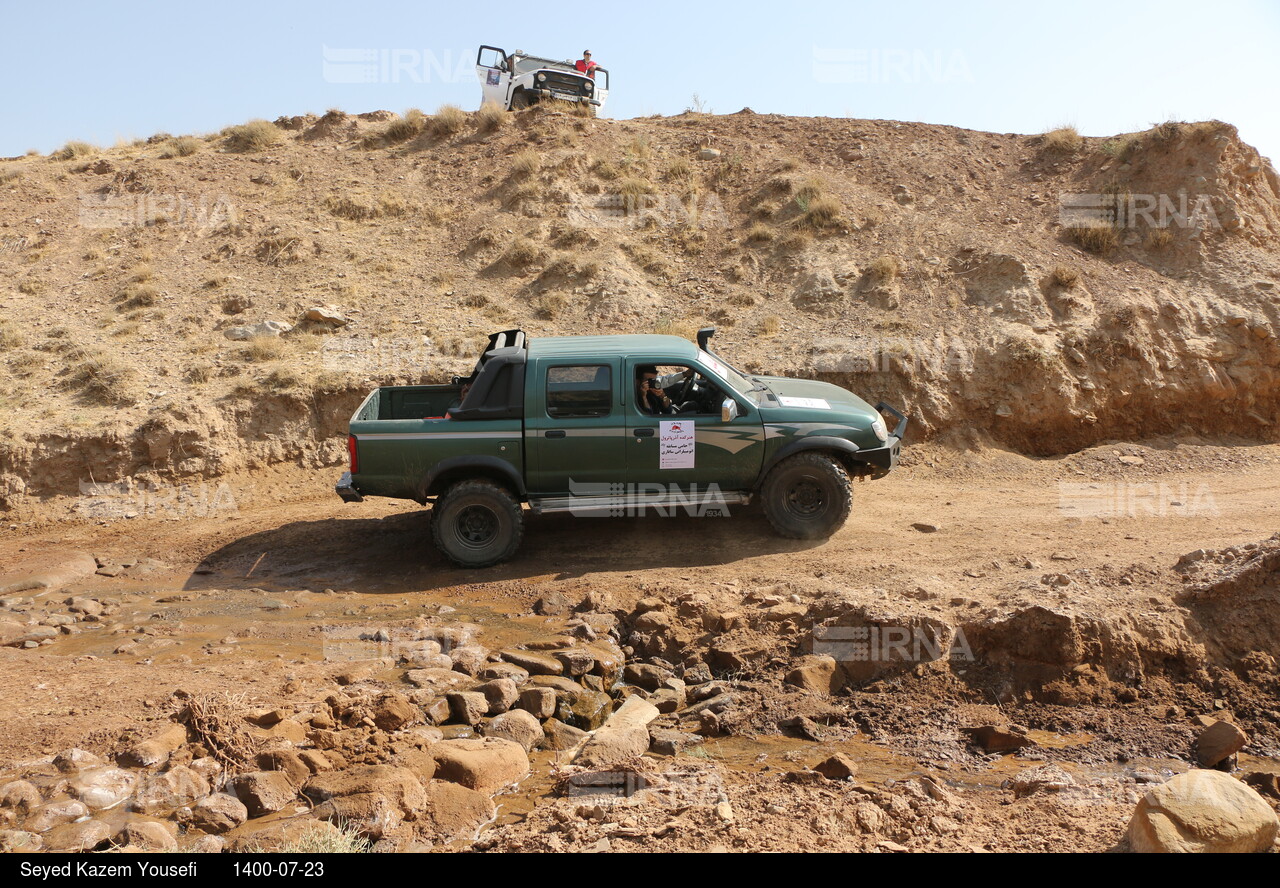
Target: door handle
[[554, 433], [643, 433]]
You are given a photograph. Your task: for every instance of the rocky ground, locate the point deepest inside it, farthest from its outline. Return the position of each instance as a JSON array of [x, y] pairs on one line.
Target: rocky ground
[[250, 677]]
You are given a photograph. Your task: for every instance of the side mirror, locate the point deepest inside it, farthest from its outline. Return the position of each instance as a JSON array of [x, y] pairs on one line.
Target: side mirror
[[728, 410]]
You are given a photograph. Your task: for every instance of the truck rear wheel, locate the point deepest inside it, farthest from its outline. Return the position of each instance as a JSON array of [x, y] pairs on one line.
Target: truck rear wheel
[[807, 496], [476, 524]]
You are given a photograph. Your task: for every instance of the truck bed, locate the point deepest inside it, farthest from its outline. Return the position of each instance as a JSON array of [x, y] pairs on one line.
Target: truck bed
[[408, 402]]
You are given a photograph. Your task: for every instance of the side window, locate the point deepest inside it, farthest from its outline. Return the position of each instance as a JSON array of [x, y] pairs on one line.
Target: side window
[[701, 397], [585, 390]]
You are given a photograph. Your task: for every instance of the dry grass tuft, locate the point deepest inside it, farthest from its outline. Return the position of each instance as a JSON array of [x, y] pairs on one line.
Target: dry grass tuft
[[1100, 239], [759, 233], [491, 117], [407, 127], [1063, 140], [822, 212], [262, 349], [101, 377], [448, 120], [1160, 239], [526, 163], [1066, 276], [281, 250], [256, 135], [139, 295], [74, 150], [769, 326], [886, 268], [522, 253], [184, 146], [9, 338]]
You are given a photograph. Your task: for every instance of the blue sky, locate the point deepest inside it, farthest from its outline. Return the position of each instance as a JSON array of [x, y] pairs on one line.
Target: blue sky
[[99, 71]]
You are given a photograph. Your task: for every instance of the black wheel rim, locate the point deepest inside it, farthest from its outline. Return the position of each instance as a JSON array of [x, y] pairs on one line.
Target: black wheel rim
[[806, 498], [476, 527]]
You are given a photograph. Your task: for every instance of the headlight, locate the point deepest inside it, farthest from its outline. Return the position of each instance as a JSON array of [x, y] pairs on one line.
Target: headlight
[[878, 426], [587, 86], [542, 78]]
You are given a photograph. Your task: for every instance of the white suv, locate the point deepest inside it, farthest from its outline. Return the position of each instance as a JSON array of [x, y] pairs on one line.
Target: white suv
[[517, 80]]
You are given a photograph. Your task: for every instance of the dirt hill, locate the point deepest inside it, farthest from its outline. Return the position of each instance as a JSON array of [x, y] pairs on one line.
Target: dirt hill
[[926, 265]]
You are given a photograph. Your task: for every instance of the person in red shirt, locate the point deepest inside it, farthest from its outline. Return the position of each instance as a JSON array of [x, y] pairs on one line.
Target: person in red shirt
[[585, 65]]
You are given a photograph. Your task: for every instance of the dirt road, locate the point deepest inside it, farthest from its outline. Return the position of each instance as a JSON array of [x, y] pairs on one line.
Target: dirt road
[[241, 591]]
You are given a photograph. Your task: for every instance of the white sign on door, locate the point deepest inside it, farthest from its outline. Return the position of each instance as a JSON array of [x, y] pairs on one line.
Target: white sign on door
[[676, 444]]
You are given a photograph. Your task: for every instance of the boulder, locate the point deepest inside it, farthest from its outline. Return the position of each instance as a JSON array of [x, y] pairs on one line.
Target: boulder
[[534, 663], [501, 694], [177, 787], [374, 799], [995, 739], [218, 813], [103, 787], [623, 737], [516, 725], [392, 711], [250, 331], [46, 817], [208, 845], [288, 762], [71, 761], [149, 835], [669, 741], [156, 750], [508, 671], [837, 767], [263, 792], [84, 835], [285, 835], [483, 765], [19, 841], [538, 702], [19, 795], [325, 314], [453, 811], [815, 674], [1203, 811], [468, 707], [559, 737], [1219, 742]]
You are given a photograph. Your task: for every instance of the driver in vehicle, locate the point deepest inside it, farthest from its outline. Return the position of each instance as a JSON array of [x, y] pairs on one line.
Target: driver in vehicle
[[651, 394]]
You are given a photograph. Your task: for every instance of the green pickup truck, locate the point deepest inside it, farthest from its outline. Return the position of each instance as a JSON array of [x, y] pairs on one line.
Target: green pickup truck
[[609, 425]]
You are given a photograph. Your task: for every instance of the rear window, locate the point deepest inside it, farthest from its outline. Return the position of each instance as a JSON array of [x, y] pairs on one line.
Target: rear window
[[583, 390]]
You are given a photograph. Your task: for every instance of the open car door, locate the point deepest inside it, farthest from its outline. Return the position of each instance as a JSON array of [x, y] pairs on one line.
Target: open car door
[[494, 74]]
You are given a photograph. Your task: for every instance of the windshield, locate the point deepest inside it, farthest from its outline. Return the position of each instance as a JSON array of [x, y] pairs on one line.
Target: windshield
[[525, 64], [739, 382]]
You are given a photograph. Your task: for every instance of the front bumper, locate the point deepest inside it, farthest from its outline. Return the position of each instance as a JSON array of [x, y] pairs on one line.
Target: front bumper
[[564, 96], [345, 490], [886, 457]]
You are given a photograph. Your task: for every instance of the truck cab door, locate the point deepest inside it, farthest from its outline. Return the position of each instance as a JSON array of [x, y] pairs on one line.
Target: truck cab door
[[728, 453], [493, 74], [574, 437], [601, 90]]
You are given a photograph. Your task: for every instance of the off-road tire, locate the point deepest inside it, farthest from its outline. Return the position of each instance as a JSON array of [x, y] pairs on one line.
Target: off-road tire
[[519, 100], [807, 496], [476, 524]]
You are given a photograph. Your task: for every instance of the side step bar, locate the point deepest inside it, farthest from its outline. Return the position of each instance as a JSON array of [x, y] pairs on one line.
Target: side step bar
[[699, 503]]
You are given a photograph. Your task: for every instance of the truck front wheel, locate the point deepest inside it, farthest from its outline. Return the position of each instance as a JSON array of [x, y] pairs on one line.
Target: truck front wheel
[[476, 524], [807, 496]]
